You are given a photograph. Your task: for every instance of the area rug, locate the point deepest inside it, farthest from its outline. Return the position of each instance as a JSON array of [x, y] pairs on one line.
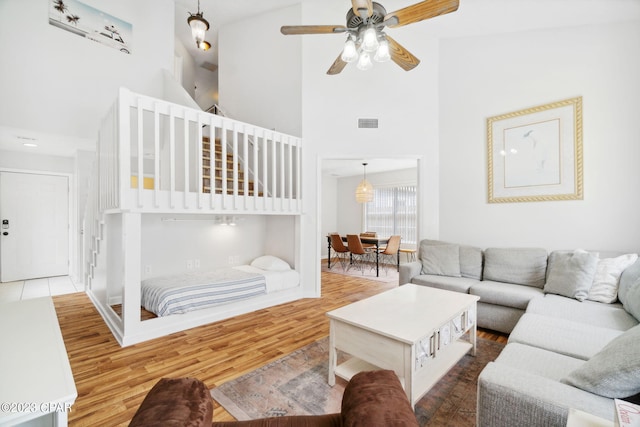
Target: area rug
[[390, 275], [296, 384]]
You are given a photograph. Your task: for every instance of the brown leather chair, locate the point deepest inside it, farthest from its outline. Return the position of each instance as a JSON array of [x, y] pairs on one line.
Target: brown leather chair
[[371, 399], [360, 257], [390, 253], [340, 251], [369, 246]]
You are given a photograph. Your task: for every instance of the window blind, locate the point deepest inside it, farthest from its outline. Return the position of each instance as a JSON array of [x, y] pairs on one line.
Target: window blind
[[394, 210]]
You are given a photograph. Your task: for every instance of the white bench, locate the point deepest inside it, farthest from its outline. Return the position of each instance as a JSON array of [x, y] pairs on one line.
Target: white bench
[[37, 383]]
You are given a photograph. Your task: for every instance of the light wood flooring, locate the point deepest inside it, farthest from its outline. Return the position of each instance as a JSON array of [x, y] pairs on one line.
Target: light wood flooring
[[112, 381]]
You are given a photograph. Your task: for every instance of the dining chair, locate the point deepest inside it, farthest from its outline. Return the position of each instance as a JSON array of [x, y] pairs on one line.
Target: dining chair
[[360, 257], [340, 251], [389, 254], [369, 246]]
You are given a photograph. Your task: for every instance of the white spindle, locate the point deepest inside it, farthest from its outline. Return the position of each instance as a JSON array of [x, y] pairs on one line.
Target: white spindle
[[140, 152], [245, 167], [156, 155], [290, 172], [254, 166], [199, 154], [172, 158], [235, 163], [186, 158]]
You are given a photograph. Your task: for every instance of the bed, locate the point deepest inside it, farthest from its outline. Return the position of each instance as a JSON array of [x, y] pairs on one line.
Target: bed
[[182, 293]]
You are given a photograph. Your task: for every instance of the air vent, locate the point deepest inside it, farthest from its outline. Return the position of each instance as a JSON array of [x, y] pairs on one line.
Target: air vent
[[368, 123]]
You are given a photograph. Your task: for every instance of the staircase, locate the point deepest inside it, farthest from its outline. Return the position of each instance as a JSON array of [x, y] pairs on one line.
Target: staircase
[[215, 173]]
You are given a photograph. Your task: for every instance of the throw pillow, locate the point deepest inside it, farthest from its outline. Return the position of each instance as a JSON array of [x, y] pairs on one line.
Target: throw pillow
[[613, 372], [270, 263], [571, 274], [632, 301], [605, 281], [441, 260], [628, 279]]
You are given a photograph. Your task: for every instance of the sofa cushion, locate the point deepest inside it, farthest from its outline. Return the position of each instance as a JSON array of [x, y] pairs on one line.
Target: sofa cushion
[[509, 396], [605, 281], [522, 266], [507, 294], [632, 300], [629, 276], [566, 337], [614, 371], [377, 399], [538, 361], [611, 316], [470, 258], [456, 284], [571, 274], [441, 260]]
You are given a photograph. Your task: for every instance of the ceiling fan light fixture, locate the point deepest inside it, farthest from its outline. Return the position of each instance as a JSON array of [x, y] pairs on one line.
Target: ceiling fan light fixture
[[349, 53], [370, 40], [364, 61], [382, 53]]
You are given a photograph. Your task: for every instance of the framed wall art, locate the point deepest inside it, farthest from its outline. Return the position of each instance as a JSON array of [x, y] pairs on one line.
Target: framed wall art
[[91, 23], [536, 154]]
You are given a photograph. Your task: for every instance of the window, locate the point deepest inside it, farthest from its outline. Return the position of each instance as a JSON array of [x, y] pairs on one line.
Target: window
[[394, 210]]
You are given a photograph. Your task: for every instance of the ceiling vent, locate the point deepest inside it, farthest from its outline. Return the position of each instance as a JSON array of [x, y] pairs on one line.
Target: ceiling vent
[[367, 123]]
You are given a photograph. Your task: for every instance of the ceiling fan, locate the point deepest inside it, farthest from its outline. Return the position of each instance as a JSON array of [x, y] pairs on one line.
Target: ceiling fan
[[366, 20]]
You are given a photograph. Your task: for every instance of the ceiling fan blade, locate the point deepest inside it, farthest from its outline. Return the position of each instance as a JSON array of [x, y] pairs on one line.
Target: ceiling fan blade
[[420, 11], [337, 66], [402, 56], [362, 8], [312, 29]]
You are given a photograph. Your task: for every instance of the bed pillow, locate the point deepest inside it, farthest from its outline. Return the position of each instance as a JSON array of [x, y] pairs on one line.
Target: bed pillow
[[571, 274], [270, 263], [605, 282], [441, 260], [613, 372]]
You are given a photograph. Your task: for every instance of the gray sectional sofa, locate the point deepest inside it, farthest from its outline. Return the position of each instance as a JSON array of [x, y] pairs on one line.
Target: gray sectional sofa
[[573, 324]]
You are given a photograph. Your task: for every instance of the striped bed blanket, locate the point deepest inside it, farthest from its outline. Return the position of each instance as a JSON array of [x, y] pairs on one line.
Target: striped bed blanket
[[186, 292]]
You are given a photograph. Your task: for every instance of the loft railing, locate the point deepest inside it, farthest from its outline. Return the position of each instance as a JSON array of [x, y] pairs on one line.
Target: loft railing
[[156, 147]]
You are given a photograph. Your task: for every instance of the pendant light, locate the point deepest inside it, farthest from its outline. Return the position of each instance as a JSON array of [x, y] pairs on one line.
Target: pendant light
[[199, 27], [364, 191]]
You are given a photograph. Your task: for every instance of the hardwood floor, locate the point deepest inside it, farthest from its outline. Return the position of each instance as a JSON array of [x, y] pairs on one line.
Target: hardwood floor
[[112, 381]]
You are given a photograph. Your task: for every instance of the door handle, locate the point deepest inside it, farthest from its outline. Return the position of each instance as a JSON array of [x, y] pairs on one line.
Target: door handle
[[5, 233]]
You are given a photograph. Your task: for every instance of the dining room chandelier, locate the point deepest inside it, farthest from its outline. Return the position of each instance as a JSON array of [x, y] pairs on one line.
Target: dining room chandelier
[[364, 191], [199, 27]]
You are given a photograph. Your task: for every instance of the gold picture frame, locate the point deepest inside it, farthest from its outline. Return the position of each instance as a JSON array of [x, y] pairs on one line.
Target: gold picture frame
[[535, 154]]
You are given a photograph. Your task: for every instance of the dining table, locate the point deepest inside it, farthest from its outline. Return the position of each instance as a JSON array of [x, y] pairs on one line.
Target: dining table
[[377, 241]]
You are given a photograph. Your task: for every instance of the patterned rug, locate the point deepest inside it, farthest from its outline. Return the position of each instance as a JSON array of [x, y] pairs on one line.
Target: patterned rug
[[296, 384], [388, 275]]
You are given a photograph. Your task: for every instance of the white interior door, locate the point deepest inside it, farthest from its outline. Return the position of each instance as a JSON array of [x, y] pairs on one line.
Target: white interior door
[[34, 221]]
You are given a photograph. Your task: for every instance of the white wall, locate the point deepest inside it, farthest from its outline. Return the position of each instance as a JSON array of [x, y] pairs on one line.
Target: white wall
[[61, 83], [259, 76], [167, 245], [486, 76]]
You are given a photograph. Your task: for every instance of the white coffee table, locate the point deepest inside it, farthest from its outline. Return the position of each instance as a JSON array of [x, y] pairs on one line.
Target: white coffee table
[[413, 330]]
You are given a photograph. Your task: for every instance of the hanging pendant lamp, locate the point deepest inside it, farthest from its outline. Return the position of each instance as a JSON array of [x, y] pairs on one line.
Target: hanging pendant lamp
[[364, 191], [199, 27]]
